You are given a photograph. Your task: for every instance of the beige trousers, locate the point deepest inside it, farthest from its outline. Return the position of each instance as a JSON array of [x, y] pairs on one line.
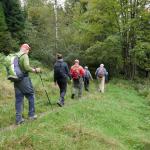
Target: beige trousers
[[101, 84]]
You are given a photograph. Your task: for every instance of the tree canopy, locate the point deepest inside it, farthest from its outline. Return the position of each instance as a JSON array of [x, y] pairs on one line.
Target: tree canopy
[[116, 33]]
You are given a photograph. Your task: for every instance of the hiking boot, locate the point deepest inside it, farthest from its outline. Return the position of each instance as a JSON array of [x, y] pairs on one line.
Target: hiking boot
[[72, 96], [60, 104], [33, 117], [20, 122]]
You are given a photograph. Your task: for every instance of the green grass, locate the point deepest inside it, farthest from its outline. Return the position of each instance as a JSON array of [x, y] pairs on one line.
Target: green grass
[[116, 120]]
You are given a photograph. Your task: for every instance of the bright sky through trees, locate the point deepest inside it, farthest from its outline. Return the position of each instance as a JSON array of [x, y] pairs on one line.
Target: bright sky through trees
[[60, 2]]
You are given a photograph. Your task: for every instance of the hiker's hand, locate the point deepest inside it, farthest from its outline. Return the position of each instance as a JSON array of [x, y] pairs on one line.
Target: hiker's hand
[[38, 70]]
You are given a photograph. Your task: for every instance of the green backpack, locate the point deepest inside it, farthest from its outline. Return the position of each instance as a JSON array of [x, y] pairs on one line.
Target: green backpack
[[13, 70]]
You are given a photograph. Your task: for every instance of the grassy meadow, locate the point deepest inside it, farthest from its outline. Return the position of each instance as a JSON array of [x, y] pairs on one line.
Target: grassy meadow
[[116, 120]]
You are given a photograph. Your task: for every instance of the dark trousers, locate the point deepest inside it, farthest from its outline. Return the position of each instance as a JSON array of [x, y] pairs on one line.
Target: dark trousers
[[23, 89], [86, 84], [63, 88]]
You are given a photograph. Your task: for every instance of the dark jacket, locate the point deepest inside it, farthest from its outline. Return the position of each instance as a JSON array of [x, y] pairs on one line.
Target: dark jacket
[[61, 70]]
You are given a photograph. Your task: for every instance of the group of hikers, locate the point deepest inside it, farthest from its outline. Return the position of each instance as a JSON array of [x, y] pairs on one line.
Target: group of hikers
[[77, 74]]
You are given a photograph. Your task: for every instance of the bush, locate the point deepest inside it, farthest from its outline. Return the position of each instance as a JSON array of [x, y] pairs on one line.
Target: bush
[[142, 86]]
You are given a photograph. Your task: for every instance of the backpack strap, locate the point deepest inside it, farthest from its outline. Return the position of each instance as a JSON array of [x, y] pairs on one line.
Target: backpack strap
[[19, 63], [19, 56]]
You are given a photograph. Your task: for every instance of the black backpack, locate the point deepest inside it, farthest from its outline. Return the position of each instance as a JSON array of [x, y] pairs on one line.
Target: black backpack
[[59, 70]]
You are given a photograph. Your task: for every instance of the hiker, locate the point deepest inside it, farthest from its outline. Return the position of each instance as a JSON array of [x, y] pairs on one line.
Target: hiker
[[61, 75], [100, 75], [24, 87], [87, 78], [77, 73]]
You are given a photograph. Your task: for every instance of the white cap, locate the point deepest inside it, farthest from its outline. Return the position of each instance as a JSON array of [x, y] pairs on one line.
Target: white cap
[[101, 65], [76, 61]]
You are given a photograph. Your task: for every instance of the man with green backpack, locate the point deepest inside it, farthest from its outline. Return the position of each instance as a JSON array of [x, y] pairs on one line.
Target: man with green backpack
[[22, 83]]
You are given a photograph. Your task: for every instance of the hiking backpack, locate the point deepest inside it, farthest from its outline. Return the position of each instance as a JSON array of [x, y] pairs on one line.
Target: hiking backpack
[[75, 73], [101, 72], [59, 70], [14, 72]]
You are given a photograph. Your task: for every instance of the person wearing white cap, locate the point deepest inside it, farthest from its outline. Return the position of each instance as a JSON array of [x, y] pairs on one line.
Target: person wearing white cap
[[100, 75]]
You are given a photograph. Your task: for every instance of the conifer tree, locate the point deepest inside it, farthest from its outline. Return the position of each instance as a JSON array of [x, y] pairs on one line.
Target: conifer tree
[[15, 19], [5, 37]]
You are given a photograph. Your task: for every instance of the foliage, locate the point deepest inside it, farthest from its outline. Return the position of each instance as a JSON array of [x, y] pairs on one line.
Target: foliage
[[5, 37], [40, 31], [100, 20], [142, 55], [112, 32], [15, 21]]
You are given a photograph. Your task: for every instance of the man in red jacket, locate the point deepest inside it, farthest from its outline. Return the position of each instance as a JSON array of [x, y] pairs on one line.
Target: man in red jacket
[[77, 73]]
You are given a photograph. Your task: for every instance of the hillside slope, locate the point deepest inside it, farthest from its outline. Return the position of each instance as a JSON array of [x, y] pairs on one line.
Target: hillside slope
[[116, 120]]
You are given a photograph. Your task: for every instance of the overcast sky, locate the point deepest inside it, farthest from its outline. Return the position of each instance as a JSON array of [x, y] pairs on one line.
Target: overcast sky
[[61, 2]]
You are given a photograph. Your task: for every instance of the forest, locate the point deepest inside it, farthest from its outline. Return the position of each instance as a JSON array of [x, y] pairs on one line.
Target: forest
[[113, 32]]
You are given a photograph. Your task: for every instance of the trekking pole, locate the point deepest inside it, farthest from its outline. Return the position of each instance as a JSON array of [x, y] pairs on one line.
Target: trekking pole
[[45, 90]]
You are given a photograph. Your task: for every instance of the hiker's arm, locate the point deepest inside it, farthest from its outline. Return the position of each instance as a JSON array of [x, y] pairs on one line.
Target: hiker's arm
[[55, 78], [54, 75], [67, 71], [90, 76], [106, 73], [26, 64], [96, 72]]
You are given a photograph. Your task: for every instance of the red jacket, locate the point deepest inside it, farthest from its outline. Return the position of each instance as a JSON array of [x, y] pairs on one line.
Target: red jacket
[[80, 69]]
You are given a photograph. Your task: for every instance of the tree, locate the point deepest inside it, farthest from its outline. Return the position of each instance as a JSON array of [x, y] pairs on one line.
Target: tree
[[5, 37], [15, 20], [41, 30], [97, 23], [128, 17]]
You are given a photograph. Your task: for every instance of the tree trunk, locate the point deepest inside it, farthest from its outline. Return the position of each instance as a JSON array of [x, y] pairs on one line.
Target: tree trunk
[[56, 26]]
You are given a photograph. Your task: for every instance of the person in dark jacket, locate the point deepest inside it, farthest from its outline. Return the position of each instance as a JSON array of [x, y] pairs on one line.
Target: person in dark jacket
[[61, 74]]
